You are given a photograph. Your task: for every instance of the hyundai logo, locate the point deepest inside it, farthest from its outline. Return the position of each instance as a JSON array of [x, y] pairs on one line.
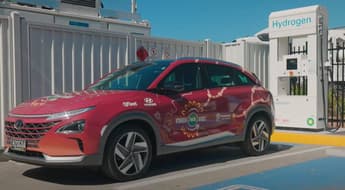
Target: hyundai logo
[[148, 100], [19, 124]]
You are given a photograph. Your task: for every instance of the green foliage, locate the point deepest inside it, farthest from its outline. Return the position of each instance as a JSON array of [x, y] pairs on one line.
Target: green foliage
[[336, 103]]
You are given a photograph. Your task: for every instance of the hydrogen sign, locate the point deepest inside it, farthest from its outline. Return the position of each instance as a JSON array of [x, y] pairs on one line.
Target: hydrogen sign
[[298, 22]]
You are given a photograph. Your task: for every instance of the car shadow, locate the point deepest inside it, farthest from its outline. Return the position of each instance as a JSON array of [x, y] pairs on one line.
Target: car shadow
[[161, 165], [2, 157]]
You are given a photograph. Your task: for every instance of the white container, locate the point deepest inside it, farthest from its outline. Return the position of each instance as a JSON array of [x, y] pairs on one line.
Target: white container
[[252, 54]]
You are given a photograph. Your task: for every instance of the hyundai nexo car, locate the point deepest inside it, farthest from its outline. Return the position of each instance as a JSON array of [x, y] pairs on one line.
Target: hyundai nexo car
[[144, 110]]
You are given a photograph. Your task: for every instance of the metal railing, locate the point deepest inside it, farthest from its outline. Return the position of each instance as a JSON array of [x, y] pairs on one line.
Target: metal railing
[[336, 85]]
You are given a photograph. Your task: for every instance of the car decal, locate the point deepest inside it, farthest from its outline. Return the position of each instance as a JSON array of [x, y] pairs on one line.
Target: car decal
[[190, 117], [149, 102], [255, 92], [129, 104], [212, 97], [223, 117], [157, 115], [205, 139]]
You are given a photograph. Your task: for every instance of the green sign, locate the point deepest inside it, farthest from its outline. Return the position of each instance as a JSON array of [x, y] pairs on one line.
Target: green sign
[[193, 120], [310, 122]]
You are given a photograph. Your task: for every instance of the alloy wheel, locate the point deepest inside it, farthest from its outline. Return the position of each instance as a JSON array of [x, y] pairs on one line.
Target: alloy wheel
[[131, 153], [260, 136]]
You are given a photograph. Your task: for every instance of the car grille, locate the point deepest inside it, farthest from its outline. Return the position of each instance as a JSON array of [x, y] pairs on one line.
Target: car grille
[[31, 132]]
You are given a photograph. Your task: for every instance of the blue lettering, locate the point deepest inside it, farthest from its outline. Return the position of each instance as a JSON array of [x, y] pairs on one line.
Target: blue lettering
[[299, 22], [276, 24], [308, 20], [291, 22]]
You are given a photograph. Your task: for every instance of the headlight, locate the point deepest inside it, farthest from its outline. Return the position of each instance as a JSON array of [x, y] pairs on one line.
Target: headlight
[[75, 127], [68, 114]]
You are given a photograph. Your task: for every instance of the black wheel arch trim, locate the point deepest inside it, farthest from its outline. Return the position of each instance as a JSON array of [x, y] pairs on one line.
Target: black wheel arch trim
[[127, 117], [256, 109]]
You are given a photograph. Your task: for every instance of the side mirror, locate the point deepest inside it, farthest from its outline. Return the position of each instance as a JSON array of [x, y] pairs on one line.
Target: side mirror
[[174, 87]]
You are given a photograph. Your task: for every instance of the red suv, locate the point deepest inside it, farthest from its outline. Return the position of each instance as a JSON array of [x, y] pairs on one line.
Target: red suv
[[144, 110]]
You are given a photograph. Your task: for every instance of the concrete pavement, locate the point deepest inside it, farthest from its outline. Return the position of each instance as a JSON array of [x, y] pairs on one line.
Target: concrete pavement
[[305, 159], [188, 170], [2, 157]]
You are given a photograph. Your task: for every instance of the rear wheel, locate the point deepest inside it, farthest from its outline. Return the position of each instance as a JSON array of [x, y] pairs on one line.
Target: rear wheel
[[128, 154], [258, 136]]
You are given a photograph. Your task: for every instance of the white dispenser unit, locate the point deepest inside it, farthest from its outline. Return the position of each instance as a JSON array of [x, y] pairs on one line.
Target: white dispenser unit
[[298, 49]]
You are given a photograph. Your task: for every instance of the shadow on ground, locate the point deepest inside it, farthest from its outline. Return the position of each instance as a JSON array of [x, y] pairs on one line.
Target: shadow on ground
[[2, 157], [161, 165]]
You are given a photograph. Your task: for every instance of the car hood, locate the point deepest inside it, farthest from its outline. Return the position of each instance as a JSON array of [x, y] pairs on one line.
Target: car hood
[[71, 101]]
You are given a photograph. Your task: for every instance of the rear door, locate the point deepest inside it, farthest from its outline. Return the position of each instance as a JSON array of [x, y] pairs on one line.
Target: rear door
[[230, 92]]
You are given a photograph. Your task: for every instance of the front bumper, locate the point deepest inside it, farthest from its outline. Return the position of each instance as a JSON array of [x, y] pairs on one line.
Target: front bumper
[[45, 160]]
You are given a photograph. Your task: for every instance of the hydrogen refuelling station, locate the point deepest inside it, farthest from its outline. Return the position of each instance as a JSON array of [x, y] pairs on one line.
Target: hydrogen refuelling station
[[298, 46], [56, 47]]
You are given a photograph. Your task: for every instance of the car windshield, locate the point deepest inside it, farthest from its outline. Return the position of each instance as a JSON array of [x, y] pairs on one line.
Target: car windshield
[[137, 76]]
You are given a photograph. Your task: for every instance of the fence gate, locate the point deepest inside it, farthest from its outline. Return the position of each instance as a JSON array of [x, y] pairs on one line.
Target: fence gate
[[336, 85]]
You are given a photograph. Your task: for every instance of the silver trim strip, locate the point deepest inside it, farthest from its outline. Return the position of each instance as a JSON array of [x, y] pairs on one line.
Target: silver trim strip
[[29, 116], [71, 159], [46, 160], [103, 129]]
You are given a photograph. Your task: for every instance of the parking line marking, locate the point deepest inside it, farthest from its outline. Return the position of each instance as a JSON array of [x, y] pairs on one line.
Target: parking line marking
[[17, 163], [307, 138], [196, 171], [336, 152]]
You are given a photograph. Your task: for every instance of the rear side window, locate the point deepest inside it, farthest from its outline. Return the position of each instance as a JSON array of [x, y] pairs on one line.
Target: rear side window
[[189, 75], [223, 76]]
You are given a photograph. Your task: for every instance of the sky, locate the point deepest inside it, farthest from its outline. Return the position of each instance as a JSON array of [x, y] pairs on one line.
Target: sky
[[218, 20]]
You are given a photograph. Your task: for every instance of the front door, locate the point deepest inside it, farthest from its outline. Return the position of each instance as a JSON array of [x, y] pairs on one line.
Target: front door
[[184, 115]]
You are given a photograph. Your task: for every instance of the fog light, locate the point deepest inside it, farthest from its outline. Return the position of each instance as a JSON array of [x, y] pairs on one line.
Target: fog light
[[75, 127]]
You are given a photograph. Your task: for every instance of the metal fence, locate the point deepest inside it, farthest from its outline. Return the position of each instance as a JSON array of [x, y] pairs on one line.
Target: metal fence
[[159, 48], [336, 85], [253, 56], [5, 72], [39, 59]]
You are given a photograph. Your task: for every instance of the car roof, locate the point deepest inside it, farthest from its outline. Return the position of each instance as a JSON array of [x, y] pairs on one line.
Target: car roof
[[200, 60], [208, 60]]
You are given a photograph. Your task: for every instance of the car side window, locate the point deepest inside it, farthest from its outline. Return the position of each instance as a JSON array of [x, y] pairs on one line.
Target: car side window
[[189, 75], [242, 78], [223, 76]]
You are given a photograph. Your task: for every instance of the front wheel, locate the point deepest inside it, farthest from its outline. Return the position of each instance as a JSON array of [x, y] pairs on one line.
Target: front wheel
[[258, 136], [128, 154]]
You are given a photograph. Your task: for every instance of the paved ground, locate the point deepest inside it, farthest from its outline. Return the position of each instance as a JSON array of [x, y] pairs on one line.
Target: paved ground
[[319, 164], [2, 158], [221, 167]]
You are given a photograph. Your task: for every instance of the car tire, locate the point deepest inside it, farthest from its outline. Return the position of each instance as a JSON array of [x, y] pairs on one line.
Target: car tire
[[258, 136], [128, 154]]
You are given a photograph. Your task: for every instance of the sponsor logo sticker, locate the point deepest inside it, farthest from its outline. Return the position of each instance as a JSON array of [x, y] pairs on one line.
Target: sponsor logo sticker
[[149, 102], [130, 104]]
